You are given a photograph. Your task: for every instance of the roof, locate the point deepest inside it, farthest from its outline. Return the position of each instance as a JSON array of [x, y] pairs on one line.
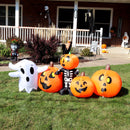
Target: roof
[[103, 1]]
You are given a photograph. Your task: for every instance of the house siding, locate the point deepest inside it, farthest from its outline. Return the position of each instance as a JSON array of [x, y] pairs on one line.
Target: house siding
[[33, 8], [7, 1]]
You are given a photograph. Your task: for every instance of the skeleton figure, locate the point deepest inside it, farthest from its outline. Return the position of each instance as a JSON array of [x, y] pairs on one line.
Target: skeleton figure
[[14, 51], [68, 75], [67, 47], [69, 62], [27, 71]]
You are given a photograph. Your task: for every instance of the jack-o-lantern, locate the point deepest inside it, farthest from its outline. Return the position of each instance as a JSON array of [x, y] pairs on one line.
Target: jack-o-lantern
[[82, 86], [69, 61], [48, 81], [107, 82]]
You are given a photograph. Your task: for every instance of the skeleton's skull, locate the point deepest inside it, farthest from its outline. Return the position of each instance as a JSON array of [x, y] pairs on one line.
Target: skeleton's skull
[[27, 71], [14, 47]]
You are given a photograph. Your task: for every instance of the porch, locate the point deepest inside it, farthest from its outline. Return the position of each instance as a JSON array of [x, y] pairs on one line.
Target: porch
[[71, 13], [79, 37]]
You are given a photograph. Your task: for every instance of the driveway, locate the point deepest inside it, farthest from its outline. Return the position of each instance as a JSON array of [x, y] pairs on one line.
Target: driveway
[[116, 55]]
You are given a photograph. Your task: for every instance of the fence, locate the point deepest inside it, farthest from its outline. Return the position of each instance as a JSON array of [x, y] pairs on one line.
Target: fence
[[83, 37]]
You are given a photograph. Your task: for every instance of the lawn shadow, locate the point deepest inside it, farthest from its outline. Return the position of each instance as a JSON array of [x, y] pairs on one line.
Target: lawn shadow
[[95, 96], [122, 92]]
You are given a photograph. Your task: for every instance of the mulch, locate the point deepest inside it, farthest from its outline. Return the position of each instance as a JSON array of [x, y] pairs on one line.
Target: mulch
[[54, 59]]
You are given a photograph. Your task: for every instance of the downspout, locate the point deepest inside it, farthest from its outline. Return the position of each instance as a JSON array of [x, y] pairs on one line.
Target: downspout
[[17, 17], [75, 22]]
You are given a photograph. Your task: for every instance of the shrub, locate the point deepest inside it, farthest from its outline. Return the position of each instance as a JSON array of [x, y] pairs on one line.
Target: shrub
[[86, 52], [42, 50], [22, 50], [14, 40], [2, 46], [4, 51], [74, 50]]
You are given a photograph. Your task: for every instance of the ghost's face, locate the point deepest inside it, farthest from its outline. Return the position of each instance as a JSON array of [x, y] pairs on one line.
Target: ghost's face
[[28, 72]]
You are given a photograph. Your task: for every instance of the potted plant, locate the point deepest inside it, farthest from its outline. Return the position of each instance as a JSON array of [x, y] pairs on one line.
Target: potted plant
[[14, 43]]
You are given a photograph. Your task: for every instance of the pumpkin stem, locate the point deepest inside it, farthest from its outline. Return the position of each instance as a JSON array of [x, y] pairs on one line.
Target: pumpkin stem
[[82, 73], [108, 67], [51, 64]]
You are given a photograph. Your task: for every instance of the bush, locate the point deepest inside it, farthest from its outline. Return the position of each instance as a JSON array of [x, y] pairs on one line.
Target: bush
[[74, 50], [86, 52], [18, 40], [42, 50], [4, 51], [22, 50]]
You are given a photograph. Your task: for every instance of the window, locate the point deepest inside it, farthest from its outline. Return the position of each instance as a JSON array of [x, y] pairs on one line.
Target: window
[[85, 19], [102, 19], [65, 18], [96, 18], [2, 15], [11, 16], [81, 24], [7, 15]]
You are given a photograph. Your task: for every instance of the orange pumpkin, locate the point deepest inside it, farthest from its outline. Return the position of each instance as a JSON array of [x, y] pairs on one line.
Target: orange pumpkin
[[82, 86], [107, 82], [48, 81], [104, 51], [104, 46], [69, 61], [125, 37]]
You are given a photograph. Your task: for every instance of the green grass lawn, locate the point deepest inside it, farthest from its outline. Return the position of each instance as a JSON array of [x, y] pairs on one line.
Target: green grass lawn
[[45, 111]]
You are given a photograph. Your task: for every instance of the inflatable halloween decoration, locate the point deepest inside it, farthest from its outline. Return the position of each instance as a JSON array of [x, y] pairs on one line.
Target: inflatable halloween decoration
[[69, 62], [82, 86], [48, 81], [27, 71], [66, 47], [107, 82]]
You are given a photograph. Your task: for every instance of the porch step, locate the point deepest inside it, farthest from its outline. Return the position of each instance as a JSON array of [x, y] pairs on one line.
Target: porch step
[[118, 50]]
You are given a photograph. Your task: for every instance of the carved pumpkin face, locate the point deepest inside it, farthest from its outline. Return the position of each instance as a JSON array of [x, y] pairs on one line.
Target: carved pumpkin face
[[49, 82], [108, 83], [82, 86], [69, 61]]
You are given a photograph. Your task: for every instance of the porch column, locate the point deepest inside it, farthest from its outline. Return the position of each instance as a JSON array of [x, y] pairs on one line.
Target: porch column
[[101, 33], [75, 22], [17, 18]]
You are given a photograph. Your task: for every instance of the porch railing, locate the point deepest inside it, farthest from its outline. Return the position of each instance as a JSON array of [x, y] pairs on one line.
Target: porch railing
[[83, 37]]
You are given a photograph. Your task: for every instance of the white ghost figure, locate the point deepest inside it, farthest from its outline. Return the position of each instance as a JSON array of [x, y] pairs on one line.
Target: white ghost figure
[[125, 40], [27, 71]]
